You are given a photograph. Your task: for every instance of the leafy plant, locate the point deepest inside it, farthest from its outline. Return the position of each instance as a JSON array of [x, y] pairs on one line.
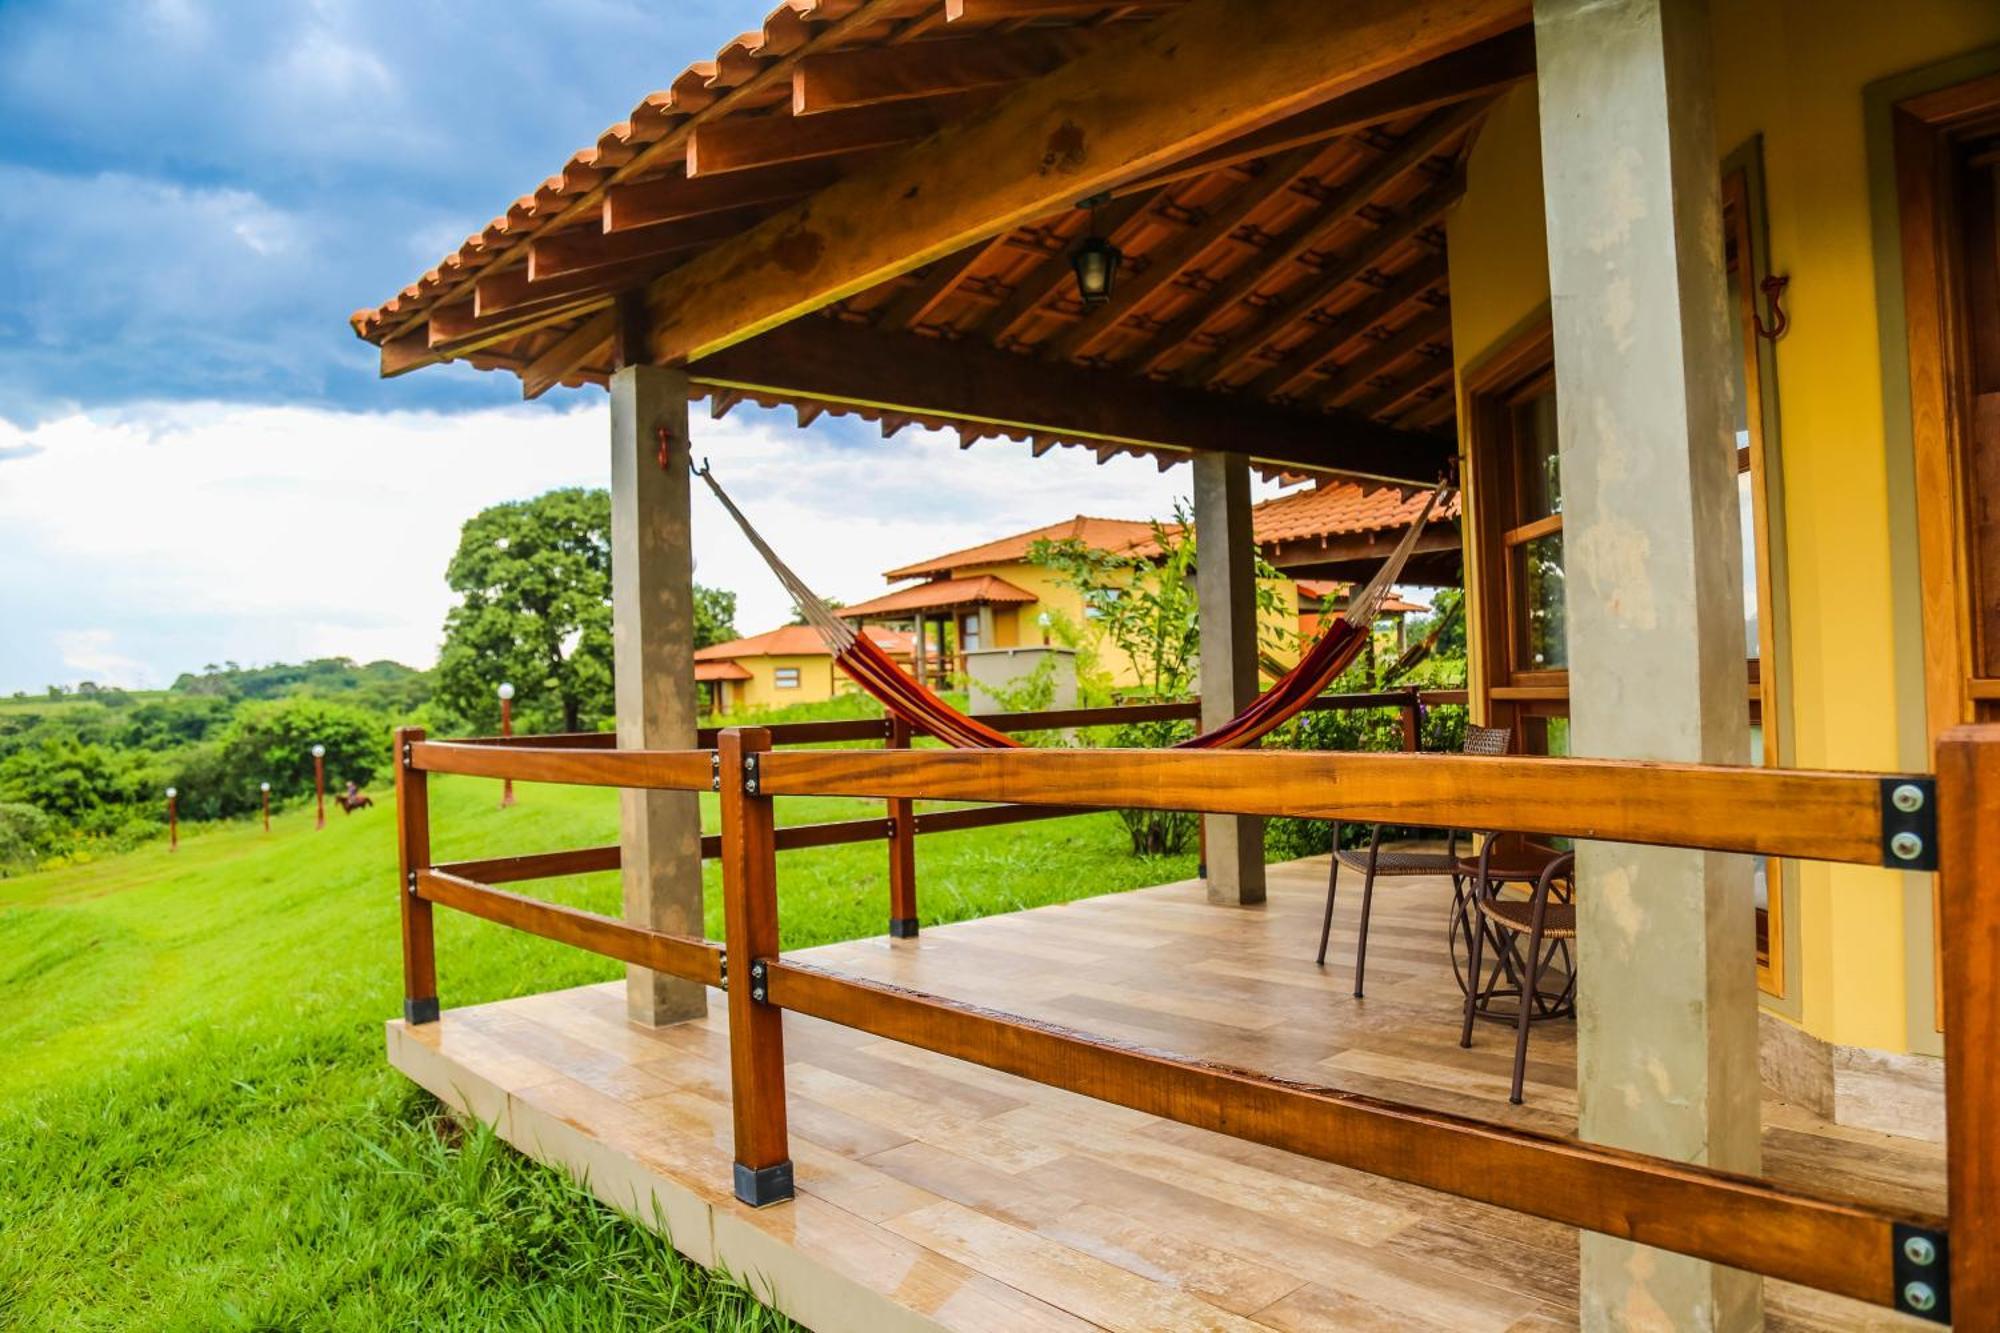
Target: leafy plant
[[1144, 606]]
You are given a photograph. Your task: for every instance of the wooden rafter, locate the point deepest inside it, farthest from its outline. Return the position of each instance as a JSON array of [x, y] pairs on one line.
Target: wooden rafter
[[587, 247], [1297, 362], [872, 75], [743, 142], [586, 342], [1205, 74], [669, 147], [1428, 327], [676, 199], [915, 303], [1167, 262], [1477, 72], [1322, 287], [499, 293], [985, 11], [905, 374], [1421, 144], [1048, 277]]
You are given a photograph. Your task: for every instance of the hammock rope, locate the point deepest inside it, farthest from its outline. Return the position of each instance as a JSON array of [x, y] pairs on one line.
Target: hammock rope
[[875, 671]]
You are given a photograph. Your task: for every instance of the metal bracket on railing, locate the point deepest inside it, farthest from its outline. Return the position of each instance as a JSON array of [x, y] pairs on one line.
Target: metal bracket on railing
[[715, 770], [1922, 1267], [413, 884], [757, 981], [750, 769], [722, 966], [1909, 823], [408, 756]]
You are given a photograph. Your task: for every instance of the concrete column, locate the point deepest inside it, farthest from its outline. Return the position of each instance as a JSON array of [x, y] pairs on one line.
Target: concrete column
[[1226, 583], [652, 628], [1667, 1034]]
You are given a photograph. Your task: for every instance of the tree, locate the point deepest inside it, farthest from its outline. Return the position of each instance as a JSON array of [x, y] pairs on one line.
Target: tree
[[714, 616], [534, 585], [1146, 606], [272, 742]]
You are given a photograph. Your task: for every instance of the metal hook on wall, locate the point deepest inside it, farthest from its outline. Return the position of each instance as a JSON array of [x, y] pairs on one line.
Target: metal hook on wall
[[1773, 288]]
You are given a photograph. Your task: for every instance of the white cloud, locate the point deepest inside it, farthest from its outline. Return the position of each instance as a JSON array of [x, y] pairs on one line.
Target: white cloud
[[155, 539], [90, 653]]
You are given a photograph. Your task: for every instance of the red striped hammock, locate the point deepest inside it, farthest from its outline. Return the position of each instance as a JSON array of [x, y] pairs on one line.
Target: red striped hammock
[[875, 671]]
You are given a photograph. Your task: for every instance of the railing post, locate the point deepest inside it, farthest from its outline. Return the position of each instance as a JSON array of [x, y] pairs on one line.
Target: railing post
[[1412, 724], [413, 853], [750, 931], [1968, 895], [902, 849]]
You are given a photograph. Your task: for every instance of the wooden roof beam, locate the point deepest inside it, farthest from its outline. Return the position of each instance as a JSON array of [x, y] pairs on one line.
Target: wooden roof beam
[[743, 142], [870, 76], [992, 11], [499, 293], [580, 249], [1296, 363], [675, 198], [912, 375], [1167, 262], [1206, 73], [1048, 277], [569, 353], [1475, 73], [914, 304], [1431, 326], [1294, 305]]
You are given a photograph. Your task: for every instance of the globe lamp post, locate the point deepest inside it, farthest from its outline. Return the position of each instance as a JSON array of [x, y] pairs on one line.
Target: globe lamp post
[[319, 784], [264, 789], [506, 731], [173, 819]]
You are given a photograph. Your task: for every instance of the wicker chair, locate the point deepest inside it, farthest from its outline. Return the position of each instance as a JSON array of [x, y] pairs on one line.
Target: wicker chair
[[1374, 863], [1545, 920]]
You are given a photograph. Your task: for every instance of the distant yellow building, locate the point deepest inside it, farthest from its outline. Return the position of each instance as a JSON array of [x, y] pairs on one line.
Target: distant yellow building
[[788, 665], [995, 596]]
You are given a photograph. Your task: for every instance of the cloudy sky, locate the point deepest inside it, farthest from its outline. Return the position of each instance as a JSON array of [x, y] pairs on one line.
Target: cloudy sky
[[197, 461]]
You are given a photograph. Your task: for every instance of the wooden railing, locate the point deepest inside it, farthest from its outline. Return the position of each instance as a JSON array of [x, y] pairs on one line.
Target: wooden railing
[[902, 823], [1888, 1256]]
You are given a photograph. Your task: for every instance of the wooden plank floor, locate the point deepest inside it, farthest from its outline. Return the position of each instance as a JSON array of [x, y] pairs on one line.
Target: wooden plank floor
[[935, 1193]]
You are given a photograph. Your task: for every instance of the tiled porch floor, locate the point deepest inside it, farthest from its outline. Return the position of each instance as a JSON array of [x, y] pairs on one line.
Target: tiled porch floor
[[936, 1193]]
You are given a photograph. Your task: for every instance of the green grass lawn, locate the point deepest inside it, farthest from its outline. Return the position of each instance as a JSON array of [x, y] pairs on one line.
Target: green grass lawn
[[197, 1126]]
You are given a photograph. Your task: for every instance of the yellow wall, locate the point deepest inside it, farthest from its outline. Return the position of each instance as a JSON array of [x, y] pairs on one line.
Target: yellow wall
[[1793, 72], [816, 682], [1014, 626]]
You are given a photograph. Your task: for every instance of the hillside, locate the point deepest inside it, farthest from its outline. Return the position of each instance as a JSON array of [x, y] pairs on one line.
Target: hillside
[[202, 1132]]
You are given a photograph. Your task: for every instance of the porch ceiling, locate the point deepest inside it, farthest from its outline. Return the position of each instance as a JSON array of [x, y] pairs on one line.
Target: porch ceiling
[[1299, 264]]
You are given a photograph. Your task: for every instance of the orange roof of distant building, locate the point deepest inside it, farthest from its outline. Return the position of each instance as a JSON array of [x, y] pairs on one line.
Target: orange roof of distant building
[[1333, 508], [1329, 589], [1099, 534], [720, 670], [792, 641], [940, 593]]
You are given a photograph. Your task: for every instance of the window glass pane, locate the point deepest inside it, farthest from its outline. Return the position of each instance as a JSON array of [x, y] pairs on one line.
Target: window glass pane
[[1747, 515], [1540, 460], [1538, 582]]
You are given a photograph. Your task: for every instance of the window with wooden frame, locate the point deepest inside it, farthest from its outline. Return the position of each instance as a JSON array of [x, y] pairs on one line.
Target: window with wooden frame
[[1511, 401], [1947, 162], [785, 678]]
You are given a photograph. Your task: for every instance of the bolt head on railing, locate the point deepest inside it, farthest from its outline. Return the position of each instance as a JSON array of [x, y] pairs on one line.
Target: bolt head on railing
[[1920, 1250], [1906, 846], [1909, 798], [1919, 1296]]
